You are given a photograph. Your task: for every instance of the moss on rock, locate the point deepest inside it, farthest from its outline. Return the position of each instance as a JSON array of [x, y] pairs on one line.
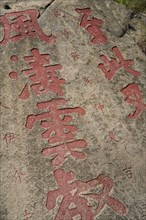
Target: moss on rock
[[135, 5]]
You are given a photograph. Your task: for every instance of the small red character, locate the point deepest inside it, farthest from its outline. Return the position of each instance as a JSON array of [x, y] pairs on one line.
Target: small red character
[[87, 80], [128, 171], [112, 136], [93, 26], [9, 137], [65, 33], [41, 73], [75, 56], [27, 215], [18, 175], [58, 13], [134, 97], [76, 193], [22, 24], [100, 107], [115, 65]]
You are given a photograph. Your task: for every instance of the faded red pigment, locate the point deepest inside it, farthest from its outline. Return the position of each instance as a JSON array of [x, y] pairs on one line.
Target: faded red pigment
[[27, 215], [75, 56], [134, 97], [19, 176], [76, 194], [115, 65], [9, 137], [93, 26], [22, 24], [100, 107], [112, 136]]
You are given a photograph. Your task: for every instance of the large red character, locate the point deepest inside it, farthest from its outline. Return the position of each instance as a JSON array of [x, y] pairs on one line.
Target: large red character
[[41, 73], [134, 97], [58, 130], [93, 26], [76, 193], [111, 66], [22, 24]]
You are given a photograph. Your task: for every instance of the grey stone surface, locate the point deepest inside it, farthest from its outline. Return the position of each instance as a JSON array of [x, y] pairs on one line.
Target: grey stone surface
[[122, 159], [18, 5]]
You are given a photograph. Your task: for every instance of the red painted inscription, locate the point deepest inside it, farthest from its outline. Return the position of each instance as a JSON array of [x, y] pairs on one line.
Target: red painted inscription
[[41, 73], [115, 65], [58, 131], [92, 25], [76, 193], [134, 97], [100, 107], [22, 24], [65, 33], [61, 152]]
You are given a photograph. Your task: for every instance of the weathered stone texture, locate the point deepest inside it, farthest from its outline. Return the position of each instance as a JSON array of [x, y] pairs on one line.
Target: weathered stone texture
[[116, 143]]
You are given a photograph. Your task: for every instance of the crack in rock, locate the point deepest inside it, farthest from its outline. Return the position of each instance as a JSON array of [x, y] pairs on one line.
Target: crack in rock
[[46, 6]]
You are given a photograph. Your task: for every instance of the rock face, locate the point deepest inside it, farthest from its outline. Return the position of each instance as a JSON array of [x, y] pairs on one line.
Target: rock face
[[72, 112]]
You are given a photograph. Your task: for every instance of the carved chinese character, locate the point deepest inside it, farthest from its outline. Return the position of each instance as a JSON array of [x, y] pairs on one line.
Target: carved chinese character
[[112, 136], [41, 73], [100, 107], [55, 120], [22, 24], [58, 131], [76, 195], [93, 26], [9, 137], [61, 152], [18, 175], [128, 171], [134, 97], [111, 66], [75, 56], [27, 215]]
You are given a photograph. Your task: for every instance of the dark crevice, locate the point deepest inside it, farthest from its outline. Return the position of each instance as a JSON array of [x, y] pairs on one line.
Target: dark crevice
[[131, 27], [47, 6], [7, 7], [133, 14]]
